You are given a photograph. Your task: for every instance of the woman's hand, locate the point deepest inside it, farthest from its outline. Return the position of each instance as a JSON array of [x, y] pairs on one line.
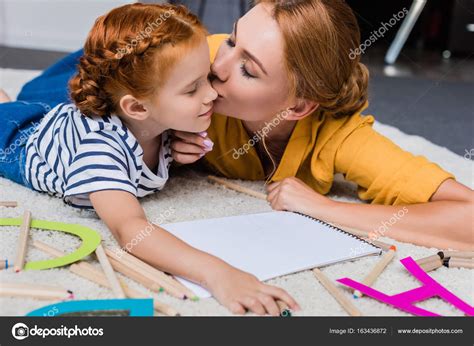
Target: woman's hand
[[240, 291], [188, 147], [293, 195]]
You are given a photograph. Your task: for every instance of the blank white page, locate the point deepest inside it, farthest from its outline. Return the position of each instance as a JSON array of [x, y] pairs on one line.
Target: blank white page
[[269, 244]]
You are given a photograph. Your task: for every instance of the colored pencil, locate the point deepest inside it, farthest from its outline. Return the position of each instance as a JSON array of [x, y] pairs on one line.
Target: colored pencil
[[4, 264], [285, 310], [126, 261], [432, 262], [146, 267], [382, 245], [454, 262], [357, 232], [88, 271], [23, 242], [47, 249], [377, 270], [432, 265], [237, 187], [336, 293], [34, 291], [145, 281], [9, 204], [109, 272], [459, 254], [158, 274], [426, 260]]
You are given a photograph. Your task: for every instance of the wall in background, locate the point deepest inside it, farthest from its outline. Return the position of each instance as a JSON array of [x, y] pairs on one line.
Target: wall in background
[[50, 24]]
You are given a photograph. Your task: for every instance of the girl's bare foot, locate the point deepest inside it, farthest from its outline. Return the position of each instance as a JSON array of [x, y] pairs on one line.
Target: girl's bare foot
[[4, 96]]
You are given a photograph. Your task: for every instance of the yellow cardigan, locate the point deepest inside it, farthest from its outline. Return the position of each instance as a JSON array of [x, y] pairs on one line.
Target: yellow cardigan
[[321, 146]]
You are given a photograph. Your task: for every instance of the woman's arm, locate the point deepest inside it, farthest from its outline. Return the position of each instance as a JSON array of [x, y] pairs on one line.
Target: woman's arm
[[444, 222], [234, 288]]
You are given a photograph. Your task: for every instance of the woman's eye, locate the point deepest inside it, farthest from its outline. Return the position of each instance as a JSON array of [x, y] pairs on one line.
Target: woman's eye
[[230, 43], [245, 73]]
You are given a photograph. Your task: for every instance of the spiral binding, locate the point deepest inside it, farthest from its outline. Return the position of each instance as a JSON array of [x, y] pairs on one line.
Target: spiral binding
[[338, 229]]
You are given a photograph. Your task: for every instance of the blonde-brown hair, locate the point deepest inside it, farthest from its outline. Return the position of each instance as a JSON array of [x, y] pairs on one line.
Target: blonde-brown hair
[[319, 36], [126, 53]]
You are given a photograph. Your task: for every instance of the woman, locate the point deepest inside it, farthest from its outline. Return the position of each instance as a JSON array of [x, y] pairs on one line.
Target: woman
[[289, 62], [286, 72]]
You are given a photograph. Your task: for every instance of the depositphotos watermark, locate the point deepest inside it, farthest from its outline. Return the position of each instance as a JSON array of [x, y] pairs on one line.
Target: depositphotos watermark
[[382, 229], [146, 33], [244, 149], [469, 154], [25, 135], [376, 34], [21, 331], [140, 236]]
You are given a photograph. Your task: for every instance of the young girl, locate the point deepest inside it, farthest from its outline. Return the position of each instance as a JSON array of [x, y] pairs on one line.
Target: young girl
[[144, 71]]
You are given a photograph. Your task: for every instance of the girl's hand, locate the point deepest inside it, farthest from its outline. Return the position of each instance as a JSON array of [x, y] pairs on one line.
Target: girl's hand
[[188, 147], [240, 291], [293, 195]]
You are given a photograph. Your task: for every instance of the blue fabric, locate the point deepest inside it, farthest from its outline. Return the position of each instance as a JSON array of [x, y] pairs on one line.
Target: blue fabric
[[19, 119]]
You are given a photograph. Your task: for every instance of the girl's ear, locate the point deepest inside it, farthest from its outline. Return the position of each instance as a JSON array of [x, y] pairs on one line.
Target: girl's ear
[[301, 109], [134, 108]]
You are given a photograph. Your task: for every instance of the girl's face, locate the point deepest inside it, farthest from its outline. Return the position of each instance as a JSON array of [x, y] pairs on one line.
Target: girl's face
[[249, 70], [185, 101]]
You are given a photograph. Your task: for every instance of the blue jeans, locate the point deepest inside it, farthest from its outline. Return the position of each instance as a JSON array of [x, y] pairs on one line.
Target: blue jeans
[[19, 119]]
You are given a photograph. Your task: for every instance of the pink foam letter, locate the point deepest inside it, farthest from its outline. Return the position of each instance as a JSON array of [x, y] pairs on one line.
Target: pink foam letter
[[404, 301]]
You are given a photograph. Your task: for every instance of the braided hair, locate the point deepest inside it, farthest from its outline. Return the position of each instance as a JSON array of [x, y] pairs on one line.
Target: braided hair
[[125, 54]]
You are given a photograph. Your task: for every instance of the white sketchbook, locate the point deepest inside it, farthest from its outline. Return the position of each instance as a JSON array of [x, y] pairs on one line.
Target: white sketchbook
[[270, 244]]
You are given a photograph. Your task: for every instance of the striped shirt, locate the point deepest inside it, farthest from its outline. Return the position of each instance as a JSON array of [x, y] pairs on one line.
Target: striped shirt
[[71, 155]]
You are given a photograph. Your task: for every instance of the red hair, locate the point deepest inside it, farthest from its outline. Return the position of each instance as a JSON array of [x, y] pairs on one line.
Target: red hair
[[319, 35], [130, 50]]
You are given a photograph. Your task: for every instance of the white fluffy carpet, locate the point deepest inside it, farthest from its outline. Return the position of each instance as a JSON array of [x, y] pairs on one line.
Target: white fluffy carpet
[[192, 197]]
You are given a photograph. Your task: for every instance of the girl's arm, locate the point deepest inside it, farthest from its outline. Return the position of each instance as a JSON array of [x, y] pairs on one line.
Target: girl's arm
[[234, 288], [444, 222]]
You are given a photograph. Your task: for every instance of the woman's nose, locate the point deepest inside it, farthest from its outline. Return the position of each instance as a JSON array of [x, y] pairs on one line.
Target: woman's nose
[[220, 67]]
